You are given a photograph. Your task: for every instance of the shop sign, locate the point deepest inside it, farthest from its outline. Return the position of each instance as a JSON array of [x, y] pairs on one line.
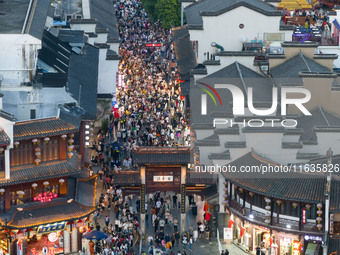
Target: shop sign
[[51, 228], [313, 238], [52, 237], [165, 178], [142, 198], [183, 199], [296, 247], [227, 233], [304, 216]]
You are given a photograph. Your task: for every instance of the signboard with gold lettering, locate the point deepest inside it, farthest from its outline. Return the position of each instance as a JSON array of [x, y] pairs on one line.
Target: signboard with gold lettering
[[142, 198], [51, 228], [183, 199]]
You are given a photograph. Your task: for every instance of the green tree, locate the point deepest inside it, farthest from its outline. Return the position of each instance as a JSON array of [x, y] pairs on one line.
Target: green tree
[[150, 8], [169, 12]]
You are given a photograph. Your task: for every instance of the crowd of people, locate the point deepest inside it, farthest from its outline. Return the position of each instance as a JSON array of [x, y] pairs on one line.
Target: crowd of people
[[150, 111], [123, 229]]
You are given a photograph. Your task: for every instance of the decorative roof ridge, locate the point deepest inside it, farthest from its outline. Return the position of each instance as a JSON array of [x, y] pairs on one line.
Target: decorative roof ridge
[[36, 120], [260, 158]]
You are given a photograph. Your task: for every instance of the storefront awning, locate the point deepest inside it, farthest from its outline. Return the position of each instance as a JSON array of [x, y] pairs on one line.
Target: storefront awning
[[336, 23]]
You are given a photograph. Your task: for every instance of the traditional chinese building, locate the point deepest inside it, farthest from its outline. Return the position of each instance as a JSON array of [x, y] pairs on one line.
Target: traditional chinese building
[[42, 187]]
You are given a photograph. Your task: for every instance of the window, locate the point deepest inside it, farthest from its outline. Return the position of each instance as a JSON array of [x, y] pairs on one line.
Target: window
[[22, 154], [2, 162], [32, 114], [19, 198]]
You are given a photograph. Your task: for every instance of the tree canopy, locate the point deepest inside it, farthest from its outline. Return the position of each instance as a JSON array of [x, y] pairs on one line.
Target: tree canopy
[[167, 11]]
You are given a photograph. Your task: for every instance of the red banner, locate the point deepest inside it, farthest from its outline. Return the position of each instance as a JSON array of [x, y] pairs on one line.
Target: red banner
[[271, 241], [242, 231], [207, 216], [231, 222]]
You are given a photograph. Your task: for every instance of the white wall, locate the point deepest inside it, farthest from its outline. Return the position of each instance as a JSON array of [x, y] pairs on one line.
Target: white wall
[[18, 55], [101, 38], [107, 72], [224, 29], [88, 28], [331, 50]]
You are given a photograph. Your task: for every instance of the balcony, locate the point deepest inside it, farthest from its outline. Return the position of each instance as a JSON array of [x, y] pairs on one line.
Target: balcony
[[277, 223]]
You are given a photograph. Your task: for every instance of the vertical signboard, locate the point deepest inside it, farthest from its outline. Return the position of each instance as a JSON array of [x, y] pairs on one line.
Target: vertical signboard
[[142, 198], [304, 216], [183, 199]]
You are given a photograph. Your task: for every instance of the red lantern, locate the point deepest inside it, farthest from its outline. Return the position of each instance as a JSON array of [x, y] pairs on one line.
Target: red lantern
[[182, 97]]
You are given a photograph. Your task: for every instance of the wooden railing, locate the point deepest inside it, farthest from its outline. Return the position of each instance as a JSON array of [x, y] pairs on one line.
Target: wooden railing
[[276, 222]]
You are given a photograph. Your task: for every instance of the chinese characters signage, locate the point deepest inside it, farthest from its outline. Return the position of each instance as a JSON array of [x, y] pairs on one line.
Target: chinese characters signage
[[304, 216], [183, 199], [142, 198], [166, 178], [50, 228]]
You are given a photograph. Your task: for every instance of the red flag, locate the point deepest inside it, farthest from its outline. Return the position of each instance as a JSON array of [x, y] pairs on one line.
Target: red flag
[[207, 216], [231, 222], [206, 206], [242, 231]]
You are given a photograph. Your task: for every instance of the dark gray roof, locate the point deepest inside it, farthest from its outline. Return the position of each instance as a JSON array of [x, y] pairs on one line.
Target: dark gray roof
[[39, 215], [162, 155], [12, 16], [319, 118], [86, 190], [288, 72], [288, 186], [4, 139], [103, 11], [71, 114], [42, 172], [55, 52], [235, 74], [83, 79], [36, 28], [41, 128], [185, 56], [71, 36], [216, 7]]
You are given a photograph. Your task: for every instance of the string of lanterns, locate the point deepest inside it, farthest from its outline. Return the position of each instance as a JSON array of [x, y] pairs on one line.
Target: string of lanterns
[[319, 218], [225, 195]]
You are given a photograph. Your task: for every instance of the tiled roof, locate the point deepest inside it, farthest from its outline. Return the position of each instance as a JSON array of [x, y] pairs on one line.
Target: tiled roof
[[186, 59], [4, 139], [41, 128], [162, 156], [288, 186], [194, 12], [43, 215], [41, 172]]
